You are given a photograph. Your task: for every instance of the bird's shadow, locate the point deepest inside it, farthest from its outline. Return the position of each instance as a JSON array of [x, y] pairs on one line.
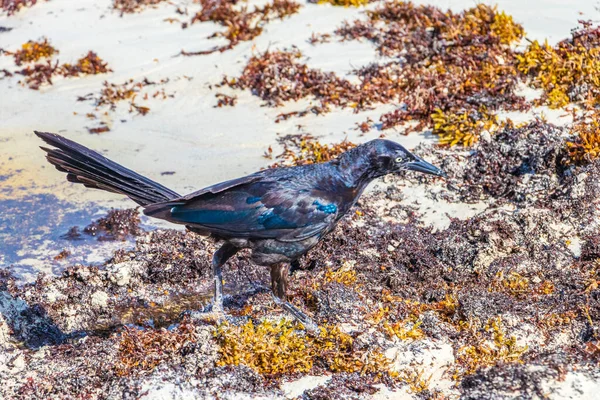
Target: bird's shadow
[[29, 325]]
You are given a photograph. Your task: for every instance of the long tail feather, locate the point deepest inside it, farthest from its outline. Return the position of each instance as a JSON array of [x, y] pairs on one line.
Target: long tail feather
[[93, 170]]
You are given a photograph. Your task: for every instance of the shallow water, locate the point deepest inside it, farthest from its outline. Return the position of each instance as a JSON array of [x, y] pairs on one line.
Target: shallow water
[[32, 230]]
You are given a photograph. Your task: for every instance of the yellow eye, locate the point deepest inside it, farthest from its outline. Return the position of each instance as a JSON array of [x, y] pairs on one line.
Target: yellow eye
[[399, 160]]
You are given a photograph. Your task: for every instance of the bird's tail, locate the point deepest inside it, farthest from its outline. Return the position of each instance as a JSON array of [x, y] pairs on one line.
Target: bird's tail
[[93, 170]]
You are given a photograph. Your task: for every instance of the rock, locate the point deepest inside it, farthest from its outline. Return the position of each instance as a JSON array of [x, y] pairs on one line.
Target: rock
[[121, 274], [18, 363], [99, 299]]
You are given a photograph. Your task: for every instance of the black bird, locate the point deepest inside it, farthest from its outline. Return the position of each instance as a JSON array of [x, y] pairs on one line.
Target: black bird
[[279, 214]]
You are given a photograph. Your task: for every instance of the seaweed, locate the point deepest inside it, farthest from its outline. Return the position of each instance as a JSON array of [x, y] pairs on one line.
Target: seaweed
[[568, 72], [13, 6], [40, 74], [283, 348], [317, 39], [516, 163], [116, 225], [142, 350], [225, 100], [500, 349], [343, 3], [133, 6], [476, 285], [279, 76], [585, 147], [306, 149], [62, 255], [112, 94], [242, 24], [463, 128], [33, 51], [91, 64], [444, 67], [102, 128], [443, 64]]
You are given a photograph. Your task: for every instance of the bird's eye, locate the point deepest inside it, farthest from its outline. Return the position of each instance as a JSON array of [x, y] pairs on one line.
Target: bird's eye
[[399, 159]]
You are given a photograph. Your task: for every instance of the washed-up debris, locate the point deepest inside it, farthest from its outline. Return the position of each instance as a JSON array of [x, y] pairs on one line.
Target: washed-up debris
[[133, 6], [586, 145], [241, 23], [12, 6], [131, 91], [38, 73], [567, 72], [225, 100], [306, 149], [33, 51], [444, 64]]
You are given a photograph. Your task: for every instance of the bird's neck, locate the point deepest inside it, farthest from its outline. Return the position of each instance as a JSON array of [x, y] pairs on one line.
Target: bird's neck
[[356, 173]]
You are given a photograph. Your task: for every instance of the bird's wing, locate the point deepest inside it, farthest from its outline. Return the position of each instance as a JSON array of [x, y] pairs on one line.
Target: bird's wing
[[254, 209], [162, 210]]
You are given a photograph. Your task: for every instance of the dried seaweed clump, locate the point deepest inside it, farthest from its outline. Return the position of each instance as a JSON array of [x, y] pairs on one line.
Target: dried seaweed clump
[[306, 149], [463, 128], [40, 74], [33, 51], [488, 351], [241, 24], [449, 62], [586, 145], [400, 317], [278, 76], [91, 64], [116, 225], [569, 72], [277, 348], [224, 100], [142, 350], [112, 94], [343, 3], [12, 6], [444, 61], [132, 6]]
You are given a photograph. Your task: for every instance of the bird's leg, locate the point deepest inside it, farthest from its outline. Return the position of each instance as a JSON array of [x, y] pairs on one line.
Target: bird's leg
[[219, 259], [218, 289], [279, 285]]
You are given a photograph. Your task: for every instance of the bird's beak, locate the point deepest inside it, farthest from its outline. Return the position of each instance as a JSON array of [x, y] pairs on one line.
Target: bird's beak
[[423, 166]]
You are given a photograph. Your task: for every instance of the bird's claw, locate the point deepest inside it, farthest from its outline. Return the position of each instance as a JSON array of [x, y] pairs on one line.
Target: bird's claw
[[212, 314], [215, 317]]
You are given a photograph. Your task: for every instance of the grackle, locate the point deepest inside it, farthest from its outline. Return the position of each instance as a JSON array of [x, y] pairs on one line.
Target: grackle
[[279, 214]]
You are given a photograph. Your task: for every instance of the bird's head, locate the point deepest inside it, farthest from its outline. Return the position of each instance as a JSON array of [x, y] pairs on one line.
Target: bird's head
[[388, 157]]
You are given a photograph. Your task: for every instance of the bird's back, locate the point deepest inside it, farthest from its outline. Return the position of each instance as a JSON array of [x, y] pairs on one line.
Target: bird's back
[[287, 204]]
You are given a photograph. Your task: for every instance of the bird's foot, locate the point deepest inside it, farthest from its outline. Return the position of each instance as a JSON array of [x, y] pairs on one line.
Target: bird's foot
[[211, 317], [309, 325]]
